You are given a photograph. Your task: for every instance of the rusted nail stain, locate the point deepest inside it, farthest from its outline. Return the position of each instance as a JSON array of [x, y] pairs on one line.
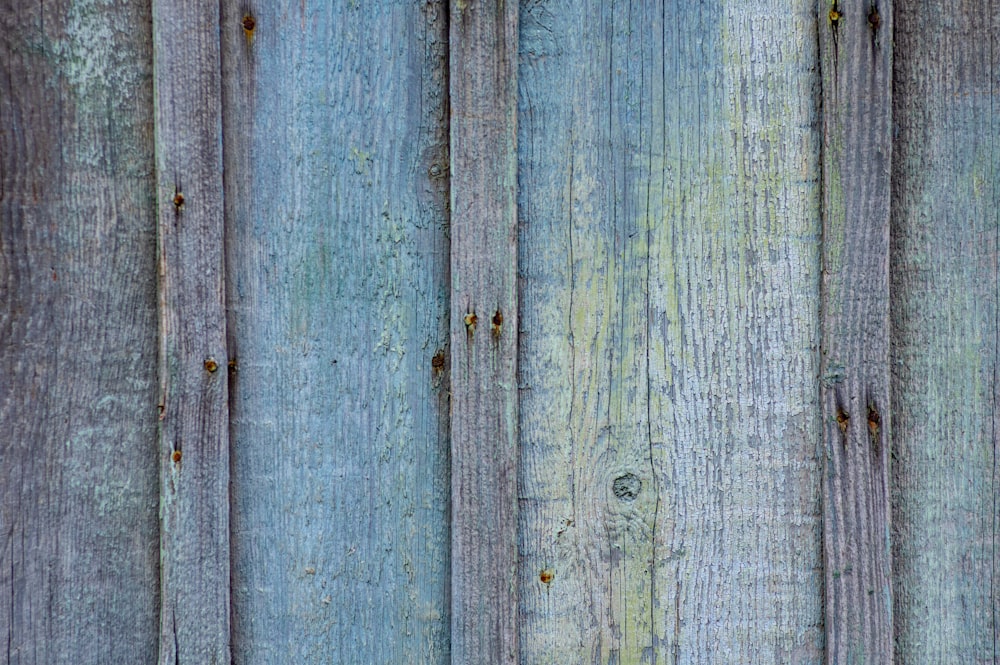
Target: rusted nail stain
[[176, 456], [470, 323], [178, 200], [211, 365], [842, 419], [874, 20], [874, 420], [497, 326], [546, 576], [875, 430], [437, 362], [249, 23]]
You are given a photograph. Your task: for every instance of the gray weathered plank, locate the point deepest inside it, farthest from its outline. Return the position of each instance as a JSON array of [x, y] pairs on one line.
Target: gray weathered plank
[[484, 330], [194, 424], [946, 197], [337, 250], [856, 61], [78, 474], [669, 201]]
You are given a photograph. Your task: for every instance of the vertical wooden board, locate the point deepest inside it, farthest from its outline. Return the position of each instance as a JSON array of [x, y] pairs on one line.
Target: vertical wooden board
[[946, 167], [78, 480], [669, 202], [484, 323], [856, 60], [194, 409], [337, 186]]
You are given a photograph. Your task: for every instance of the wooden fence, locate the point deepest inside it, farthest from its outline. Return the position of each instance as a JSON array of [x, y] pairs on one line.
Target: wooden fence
[[572, 331]]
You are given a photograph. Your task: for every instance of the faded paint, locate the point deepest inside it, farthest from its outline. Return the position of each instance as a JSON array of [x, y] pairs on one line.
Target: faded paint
[[944, 316], [670, 237], [338, 300], [78, 464]]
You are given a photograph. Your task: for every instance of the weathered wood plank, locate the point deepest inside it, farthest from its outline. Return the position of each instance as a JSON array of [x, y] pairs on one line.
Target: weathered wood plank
[[484, 330], [337, 248], [856, 61], [946, 197], [669, 193], [194, 424], [78, 474]]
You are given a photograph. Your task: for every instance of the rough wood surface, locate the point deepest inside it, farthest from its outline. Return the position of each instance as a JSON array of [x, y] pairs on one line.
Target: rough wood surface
[[856, 62], [78, 474], [336, 182], [484, 331], [946, 197], [669, 201], [194, 424]]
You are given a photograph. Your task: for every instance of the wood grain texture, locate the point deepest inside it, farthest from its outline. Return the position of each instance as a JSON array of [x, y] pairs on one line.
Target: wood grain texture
[[78, 474], [856, 61], [484, 326], [337, 190], [194, 409], [946, 194], [669, 257]]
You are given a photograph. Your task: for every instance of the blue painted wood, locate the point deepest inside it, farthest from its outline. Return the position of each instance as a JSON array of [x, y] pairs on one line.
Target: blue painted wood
[[669, 255], [79, 550], [669, 363], [337, 238], [945, 281]]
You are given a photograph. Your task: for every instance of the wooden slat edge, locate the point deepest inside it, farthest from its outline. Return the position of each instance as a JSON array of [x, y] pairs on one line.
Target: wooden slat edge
[[194, 428], [856, 58], [484, 328]]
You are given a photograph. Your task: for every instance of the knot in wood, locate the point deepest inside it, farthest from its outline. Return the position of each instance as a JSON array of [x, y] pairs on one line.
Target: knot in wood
[[626, 487]]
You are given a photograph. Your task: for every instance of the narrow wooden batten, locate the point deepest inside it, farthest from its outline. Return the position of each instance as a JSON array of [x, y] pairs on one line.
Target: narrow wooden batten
[[194, 412], [856, 61], [483, 43]]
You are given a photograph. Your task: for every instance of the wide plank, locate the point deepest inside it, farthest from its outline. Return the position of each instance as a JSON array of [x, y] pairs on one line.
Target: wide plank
[[944, 253], [79, 551], [669, 258], [336, 142]]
